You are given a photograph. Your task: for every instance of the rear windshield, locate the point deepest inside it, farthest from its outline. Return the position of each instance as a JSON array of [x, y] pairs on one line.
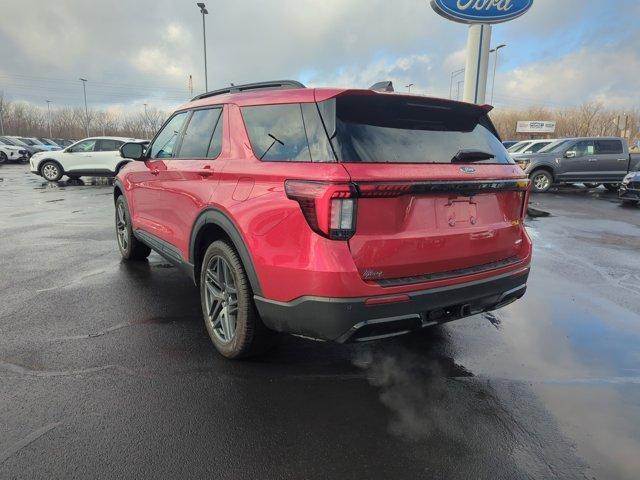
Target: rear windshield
[[398, 129]]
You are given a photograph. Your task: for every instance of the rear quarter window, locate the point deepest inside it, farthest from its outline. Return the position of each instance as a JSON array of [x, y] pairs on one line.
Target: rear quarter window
[[292, 132]]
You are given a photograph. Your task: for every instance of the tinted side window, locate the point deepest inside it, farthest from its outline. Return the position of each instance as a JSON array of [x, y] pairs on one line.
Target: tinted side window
[[277, 132], [199, 140], [86, 146], [108, 145], [165, 142], [611, 147], [584, 148]]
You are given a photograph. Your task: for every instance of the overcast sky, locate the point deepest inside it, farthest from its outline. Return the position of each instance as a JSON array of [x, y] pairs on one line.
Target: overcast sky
[[562, 52]]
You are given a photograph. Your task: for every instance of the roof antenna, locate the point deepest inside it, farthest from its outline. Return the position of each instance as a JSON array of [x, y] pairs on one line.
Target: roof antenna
[[386, 86]]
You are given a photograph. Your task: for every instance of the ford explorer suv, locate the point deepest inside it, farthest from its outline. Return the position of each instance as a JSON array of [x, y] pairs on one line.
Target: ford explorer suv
[[595, 161], [334, 214]]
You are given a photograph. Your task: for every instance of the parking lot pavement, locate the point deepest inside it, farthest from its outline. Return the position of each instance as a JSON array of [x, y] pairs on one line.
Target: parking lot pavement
[[106, 370]]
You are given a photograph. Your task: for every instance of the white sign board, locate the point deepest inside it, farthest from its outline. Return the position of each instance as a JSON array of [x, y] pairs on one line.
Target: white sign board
[[533, 126]]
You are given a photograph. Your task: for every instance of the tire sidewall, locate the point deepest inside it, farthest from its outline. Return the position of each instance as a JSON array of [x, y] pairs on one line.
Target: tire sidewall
[[3, 157], [235, 348]]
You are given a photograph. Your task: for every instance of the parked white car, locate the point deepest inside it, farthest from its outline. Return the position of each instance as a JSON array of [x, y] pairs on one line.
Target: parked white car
[[95, 157], [11, 153]]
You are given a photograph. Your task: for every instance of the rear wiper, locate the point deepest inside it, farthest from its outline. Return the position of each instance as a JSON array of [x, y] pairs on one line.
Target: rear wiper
[[470, 156], [275, 140]]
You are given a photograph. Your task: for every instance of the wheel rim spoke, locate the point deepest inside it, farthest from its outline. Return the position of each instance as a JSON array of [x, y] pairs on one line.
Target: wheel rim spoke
[[221, 299]]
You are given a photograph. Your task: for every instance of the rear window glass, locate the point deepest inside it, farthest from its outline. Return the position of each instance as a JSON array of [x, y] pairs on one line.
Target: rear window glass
[[611, 147], [396, 129], [292, 132]]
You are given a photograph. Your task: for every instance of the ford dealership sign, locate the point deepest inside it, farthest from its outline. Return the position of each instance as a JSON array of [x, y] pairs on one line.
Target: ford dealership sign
[[481, 11]]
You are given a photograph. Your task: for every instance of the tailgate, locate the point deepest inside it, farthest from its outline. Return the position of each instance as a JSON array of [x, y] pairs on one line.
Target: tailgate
[[435, 228]]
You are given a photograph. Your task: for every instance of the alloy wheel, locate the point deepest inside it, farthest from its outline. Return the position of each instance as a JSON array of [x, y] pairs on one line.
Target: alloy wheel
[[541, 182], [50, 171], [121, 227], [221, 297]]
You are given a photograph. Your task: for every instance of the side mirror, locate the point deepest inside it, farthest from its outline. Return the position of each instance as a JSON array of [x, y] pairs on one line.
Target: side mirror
[[132, 150], [570, 154]]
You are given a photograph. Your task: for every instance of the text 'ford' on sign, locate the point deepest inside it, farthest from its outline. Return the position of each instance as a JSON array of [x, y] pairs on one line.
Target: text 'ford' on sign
[[481, 11]]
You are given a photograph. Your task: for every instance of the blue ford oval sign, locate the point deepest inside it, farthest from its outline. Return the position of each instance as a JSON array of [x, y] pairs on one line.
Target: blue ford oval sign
[[481, 11]]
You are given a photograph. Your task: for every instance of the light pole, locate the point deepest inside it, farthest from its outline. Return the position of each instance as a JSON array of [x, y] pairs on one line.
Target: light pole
[[146, 120], [495, 68], [454, 74], [461, 82], [86, 110], [408, 87], [49, 115], [204, 11]]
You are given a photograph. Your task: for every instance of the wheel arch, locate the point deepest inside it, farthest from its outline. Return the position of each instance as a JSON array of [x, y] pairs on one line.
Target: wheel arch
[[45, 160], [211, 225], [120, 165], [545, 167]]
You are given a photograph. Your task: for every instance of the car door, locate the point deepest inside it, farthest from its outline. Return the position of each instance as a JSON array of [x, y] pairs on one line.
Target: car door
[[191, 175], [148, 203], [78, 157], [106, 156], [612, 162], [579, 162]]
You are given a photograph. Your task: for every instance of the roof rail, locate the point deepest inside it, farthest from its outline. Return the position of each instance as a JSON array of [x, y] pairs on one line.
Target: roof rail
[[273, 85]]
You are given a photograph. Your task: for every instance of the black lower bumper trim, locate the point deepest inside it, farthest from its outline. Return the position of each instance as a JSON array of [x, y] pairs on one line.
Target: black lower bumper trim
[[351, 319]]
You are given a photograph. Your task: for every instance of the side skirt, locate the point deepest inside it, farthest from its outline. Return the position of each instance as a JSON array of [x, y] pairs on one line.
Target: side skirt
[[166, 250]]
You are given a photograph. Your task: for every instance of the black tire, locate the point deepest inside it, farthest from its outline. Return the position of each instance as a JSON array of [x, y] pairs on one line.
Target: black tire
[[612, 187], [541, 181], [3, 157], [130, 248], [51, 171], [222, 277]]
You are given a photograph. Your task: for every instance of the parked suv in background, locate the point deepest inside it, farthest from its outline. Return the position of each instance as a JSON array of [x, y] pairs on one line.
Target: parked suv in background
[[595, 161], [96, 156], [341, 215]]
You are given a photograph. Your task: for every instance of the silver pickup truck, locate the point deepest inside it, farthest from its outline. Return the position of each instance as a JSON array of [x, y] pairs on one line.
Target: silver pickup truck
[[593, 161]]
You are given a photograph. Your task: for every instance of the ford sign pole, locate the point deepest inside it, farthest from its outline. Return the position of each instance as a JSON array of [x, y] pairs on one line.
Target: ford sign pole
[[479, 15], [477, 70]]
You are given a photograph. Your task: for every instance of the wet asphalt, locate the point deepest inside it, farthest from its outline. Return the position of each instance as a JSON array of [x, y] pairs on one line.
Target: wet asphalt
[[106, 370]]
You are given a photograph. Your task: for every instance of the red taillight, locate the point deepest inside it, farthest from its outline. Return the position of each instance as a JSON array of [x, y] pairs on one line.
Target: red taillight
[[329, 208]]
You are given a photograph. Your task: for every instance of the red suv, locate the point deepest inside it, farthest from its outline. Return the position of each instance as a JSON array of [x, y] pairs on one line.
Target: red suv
[[334, 214]]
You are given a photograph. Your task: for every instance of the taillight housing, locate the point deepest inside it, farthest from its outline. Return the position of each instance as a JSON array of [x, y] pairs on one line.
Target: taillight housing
[[329, 208]]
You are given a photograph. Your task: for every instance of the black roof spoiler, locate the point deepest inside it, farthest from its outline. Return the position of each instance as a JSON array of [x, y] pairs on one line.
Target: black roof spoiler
[[272, 85], [386, 86]]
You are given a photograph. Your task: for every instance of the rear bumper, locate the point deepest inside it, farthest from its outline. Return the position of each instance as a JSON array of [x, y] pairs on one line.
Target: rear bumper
[[351, 319]]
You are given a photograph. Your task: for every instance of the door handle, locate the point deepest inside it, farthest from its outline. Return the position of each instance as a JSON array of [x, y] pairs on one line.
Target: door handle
[[623, 159], [205, 173], [155, 171]]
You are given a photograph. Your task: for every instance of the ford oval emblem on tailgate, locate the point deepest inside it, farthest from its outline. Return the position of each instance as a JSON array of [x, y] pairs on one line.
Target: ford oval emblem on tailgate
[[469, 170]]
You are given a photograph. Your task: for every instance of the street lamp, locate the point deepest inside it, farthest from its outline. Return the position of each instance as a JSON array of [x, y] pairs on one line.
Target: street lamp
[[495, 67], [86, 110], [461, 82], [454, 74], [204, 11], [49, 115], [408, 87]]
